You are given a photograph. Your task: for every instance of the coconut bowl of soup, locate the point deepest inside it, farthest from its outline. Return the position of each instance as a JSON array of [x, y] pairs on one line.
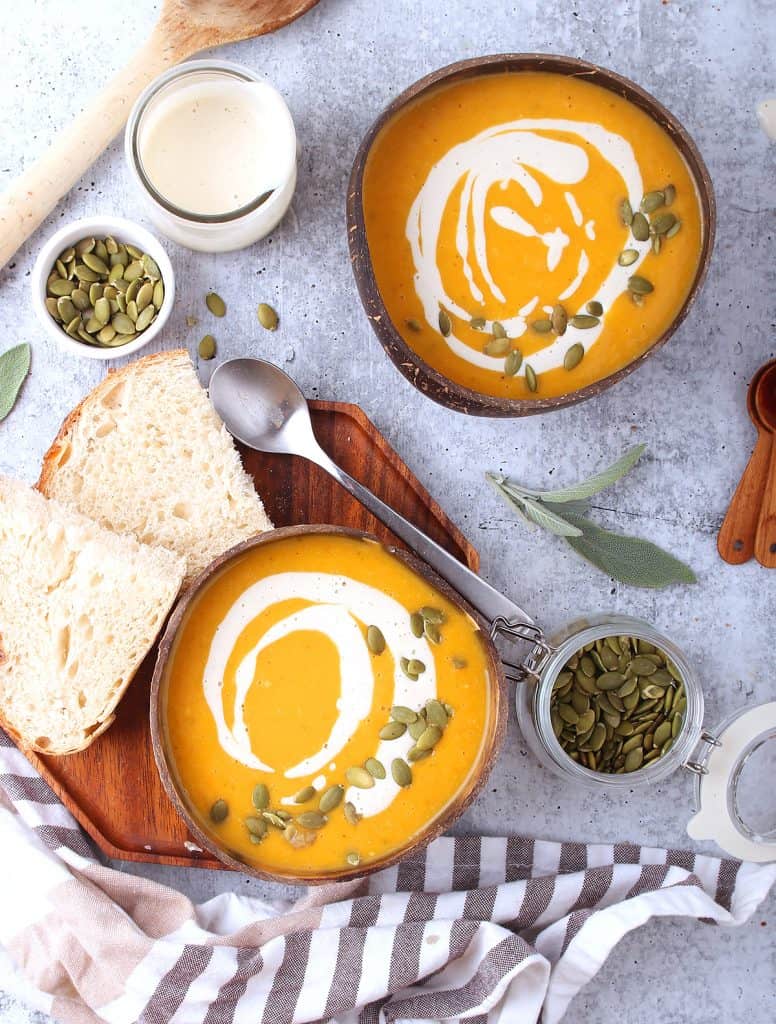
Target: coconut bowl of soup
[[525, 230], [322, 705]]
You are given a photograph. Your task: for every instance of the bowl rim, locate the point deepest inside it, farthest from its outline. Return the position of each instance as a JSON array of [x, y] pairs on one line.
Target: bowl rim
[[421, 374], [492, 742], [126, 230]]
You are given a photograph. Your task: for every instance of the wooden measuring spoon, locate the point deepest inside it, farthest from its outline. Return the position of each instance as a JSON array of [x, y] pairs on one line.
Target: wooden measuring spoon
[[736, 539], [184, 28], [765, 407]]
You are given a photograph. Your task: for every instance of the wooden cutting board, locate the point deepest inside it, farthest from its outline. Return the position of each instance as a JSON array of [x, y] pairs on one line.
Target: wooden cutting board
[[113, 787]]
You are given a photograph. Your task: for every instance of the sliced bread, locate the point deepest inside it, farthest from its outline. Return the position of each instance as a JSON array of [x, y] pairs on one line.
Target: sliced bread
[[80, 607], [145, 453]]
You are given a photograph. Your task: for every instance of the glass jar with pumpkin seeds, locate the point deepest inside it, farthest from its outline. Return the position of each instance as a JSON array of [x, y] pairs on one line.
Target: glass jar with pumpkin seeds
[[610, 703]]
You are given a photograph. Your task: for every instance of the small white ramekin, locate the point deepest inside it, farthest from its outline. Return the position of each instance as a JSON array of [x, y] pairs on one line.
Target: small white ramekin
[[98, 227]]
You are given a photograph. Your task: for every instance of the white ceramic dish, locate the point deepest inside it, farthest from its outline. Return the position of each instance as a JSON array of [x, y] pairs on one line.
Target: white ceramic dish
[[123, 231]]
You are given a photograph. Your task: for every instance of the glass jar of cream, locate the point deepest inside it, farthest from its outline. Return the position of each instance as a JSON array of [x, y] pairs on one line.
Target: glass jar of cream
[[212, 149]]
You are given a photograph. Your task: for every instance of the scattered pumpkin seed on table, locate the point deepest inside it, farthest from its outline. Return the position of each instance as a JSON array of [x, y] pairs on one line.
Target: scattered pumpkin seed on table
[[207, 347], [268, 318]]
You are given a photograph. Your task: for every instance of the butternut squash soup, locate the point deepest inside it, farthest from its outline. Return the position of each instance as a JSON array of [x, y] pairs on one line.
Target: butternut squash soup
[[530, 232], [322, 704]]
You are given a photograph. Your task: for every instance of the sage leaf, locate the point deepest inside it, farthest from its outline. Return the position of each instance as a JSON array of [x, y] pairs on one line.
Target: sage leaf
[[533, 510], [598, 482], [631, 560], [14, 367]]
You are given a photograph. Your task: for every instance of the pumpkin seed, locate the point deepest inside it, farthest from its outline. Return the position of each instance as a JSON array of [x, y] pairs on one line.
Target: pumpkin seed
[[595, 308], [497, 347], [513, 362], [412, 323], [94, 263], [213, 301], [375, 640], [401, 772], [431, 614], [640, 227], [610, 681], [417, 624], [404, 664], [207, 347], [583, 321], [672, 232], [573, 356], [559, 319], [274, 819], [626, 213], [85, 245], [353, 858], [219, 811], [663, 223], [531, 380], [431, 632], [73, 326], [498, 330], [256, 827], [416, 754], [359, 777], [268, 318], [392, 730], [669, 193], [634, 760], [51, 306], [416, 667], [260, 796], [477, 323], [305, 795], [436, 714], [429, 738], [417, 728], [107, 334], [652, 201], [312, 820], [642, 666], [542, 326], [445, 324], [627, 257], [60, 286], [375, 768], [352, 817], [134, 271]]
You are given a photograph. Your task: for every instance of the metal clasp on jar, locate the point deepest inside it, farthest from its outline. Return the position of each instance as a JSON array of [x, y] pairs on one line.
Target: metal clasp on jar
[[528, 632], [699, 767]]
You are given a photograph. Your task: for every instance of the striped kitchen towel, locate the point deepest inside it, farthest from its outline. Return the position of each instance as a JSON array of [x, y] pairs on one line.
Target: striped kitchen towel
[[481, 929]]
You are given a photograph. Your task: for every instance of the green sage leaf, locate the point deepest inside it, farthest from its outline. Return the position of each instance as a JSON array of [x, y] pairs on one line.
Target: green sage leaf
[[598, 482], [631, 560], [534, 511], [14, 367]]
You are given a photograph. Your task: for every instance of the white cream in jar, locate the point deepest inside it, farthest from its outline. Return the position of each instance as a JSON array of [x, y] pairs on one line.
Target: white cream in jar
[[213, 150]]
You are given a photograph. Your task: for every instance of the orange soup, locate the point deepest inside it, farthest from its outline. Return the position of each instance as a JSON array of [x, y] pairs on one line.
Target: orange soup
[[323, 703], [530, 232]]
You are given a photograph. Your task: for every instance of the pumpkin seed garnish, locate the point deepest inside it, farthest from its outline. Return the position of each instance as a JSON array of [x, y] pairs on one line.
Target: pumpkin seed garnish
[[531, 380], [207, 347], [417, 624], [375, 768], [353, 858], [559, 319], [331, 798], [573, 356], [640, 227], [513, 362], [584, 321], [312, 819], [478, 322], [432, 632], [542, 326], [413, 324], [392, 730], [595, 308], [375, 640], [673, 231], [352, 817], [401, 772], [627, 257], [669, 194], [219, 812], [268, 318], [213, 300], [652, 201], [431, 614], [498, 330], [640, 285], [400, 713], [305, 795], [445, 324], [497, 347], [436, 714], [256, 827], [260, 797], [626, 213], [663, 223], [359, 777]]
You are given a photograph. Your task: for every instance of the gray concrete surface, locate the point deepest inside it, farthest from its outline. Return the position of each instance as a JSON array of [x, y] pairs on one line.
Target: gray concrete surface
[[710, 63]]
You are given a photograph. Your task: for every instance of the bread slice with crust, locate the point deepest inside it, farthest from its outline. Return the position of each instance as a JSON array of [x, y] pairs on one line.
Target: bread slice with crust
[[146, 453], [80, 607]]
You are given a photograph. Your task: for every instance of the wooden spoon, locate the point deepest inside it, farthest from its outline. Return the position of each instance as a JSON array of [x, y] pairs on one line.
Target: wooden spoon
[[736, 540], [765, 407], [184, 28]]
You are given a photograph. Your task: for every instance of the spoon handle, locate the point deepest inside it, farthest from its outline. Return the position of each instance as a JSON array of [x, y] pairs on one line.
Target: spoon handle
[[765, 538], [736, 540], [481, 595]]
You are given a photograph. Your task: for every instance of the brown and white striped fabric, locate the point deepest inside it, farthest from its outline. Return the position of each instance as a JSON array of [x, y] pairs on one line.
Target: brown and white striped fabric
[[481, 929]]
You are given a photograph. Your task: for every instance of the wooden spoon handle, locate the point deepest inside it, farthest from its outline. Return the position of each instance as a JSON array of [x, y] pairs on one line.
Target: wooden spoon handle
[[33, 195], [765, 538], [736, 540]]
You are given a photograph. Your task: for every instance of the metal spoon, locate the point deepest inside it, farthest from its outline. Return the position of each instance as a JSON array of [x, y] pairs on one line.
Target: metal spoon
[[263, 407], [765, 405]]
